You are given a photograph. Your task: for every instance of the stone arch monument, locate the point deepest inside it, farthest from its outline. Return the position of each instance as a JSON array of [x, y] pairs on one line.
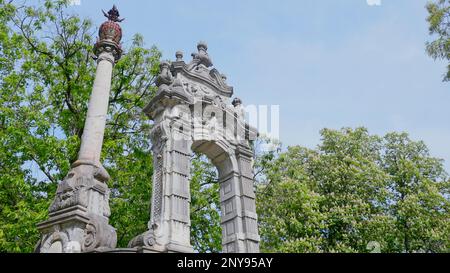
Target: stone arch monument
[[192, 113]]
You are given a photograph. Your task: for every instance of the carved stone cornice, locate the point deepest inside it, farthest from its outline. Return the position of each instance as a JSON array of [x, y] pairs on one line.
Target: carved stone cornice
[[200, 70], [211, 78]]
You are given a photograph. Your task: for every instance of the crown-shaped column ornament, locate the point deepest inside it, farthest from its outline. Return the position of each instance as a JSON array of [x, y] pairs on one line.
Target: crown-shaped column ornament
[[110, 35], [79, 215]]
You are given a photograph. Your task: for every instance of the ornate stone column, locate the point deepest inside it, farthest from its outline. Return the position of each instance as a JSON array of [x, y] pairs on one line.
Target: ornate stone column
[[79, 214]]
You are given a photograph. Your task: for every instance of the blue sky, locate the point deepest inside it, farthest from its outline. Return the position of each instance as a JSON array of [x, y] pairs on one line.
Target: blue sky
[[326, 63]]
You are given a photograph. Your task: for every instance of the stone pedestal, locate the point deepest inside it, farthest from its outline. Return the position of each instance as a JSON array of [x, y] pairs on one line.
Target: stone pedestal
[[79, 214]]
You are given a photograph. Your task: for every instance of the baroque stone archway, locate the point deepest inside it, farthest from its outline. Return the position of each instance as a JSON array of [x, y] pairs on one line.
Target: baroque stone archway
[[192, 112]]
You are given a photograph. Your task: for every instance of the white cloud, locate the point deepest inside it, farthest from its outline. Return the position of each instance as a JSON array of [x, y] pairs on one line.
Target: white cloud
[[374, 2]]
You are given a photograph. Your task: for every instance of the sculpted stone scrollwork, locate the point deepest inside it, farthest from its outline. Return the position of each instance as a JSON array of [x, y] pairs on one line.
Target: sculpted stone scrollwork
[[86, 236], [196, 90], [220, 79], [159, 135], [190, 110], [74, 189], [68, 195], [111, 49], [98, 235], [149, 239], [165, 77], [179, 77], [90, 236], [55, 242], [200, 58]]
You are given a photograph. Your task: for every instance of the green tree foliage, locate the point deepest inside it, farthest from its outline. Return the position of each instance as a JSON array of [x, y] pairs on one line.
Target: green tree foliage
[[206, 233], [439, 26], [355, 191], [419, 196]]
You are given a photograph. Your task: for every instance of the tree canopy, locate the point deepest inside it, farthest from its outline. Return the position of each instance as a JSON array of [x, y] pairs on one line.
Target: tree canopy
[[356, 191], [439, 28]]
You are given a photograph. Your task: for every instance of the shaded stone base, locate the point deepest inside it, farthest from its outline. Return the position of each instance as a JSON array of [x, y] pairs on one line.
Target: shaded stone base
[[79, 214], [118, 250], [74, 230]]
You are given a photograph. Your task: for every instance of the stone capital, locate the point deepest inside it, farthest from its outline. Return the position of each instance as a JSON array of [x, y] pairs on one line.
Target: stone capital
[[107, 51]]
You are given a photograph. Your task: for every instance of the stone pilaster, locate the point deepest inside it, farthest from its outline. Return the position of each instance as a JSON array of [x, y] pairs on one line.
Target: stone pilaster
[[237, 197], [247, 195], [169, 225], [79, 215]]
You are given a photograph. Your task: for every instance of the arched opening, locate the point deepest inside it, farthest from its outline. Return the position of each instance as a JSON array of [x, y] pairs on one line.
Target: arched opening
[[209, 164], [205, 231]]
